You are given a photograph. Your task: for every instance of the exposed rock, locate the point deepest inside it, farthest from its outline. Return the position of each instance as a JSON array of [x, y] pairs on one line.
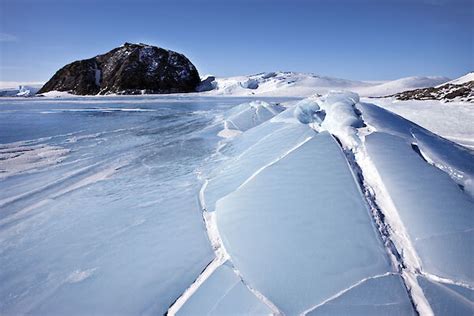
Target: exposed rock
[[207, 84], [447, 92], [129, 69]]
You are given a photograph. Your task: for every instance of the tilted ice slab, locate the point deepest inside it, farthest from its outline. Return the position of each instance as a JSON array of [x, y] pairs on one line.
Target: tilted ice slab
[[385, 295], [437, 215], [448, 299], [299, 230], [453, 159], [247, 115], [250, 152], [223, 293]]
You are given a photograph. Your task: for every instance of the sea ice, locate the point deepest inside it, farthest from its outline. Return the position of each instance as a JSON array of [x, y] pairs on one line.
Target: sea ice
[[223, 293], [434, 210], [301, 212]]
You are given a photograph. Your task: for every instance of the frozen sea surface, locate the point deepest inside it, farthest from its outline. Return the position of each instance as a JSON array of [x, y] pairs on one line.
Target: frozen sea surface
[[99, 209], [224, 206]]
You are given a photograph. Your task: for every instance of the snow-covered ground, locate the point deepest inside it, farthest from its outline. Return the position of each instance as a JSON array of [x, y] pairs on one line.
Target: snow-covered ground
[[201, 204], [450, 120], [306, 84]]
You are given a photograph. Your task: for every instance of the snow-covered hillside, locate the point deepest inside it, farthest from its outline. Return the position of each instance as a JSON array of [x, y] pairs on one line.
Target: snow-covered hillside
[[458, 90], [306, 84], [403, 84], [463, 79]]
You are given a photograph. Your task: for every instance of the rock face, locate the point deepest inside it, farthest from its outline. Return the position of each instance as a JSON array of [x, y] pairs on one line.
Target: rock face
[[129, 69], [447, 92]]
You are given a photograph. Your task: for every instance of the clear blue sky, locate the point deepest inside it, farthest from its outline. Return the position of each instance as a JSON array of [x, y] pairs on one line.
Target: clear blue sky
[[368, 40]]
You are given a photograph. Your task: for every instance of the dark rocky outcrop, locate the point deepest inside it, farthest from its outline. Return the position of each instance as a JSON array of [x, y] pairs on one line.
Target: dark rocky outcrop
[[129, 69], [447, 92]]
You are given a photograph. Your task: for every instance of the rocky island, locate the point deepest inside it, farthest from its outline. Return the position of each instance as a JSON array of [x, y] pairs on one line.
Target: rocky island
[[129, 69]]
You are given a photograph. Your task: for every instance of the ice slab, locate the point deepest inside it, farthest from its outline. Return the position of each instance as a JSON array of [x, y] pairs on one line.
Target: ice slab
[[299, 231], [384, 295], [223, 293], [250, 152], [448, 299], [251, 114], [385, 121], [455, 160], [436, 213]]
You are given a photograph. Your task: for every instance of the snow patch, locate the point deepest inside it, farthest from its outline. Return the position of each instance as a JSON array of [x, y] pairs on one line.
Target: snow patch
[[80, 275]]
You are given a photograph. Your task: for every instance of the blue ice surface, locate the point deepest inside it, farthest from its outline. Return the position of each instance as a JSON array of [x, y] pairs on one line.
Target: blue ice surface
[[384, 295], [299, 231], [448, 299], [115, 228], [223, 293], [453, 159], [258, 147], [437, 214]]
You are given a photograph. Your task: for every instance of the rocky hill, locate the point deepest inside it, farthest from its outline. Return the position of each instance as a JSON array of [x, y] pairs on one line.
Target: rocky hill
[[461, 89], [129, 69]]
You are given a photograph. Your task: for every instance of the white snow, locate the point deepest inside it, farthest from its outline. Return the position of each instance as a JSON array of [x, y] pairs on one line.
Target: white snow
[[463, 79], [266, 195], [80, 275], [449, 120], [307, 84], [400, 85], [17, 158], [57, 94]]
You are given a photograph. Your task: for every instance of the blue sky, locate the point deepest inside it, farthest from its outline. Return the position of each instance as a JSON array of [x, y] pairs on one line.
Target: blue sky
[[366, 40]]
